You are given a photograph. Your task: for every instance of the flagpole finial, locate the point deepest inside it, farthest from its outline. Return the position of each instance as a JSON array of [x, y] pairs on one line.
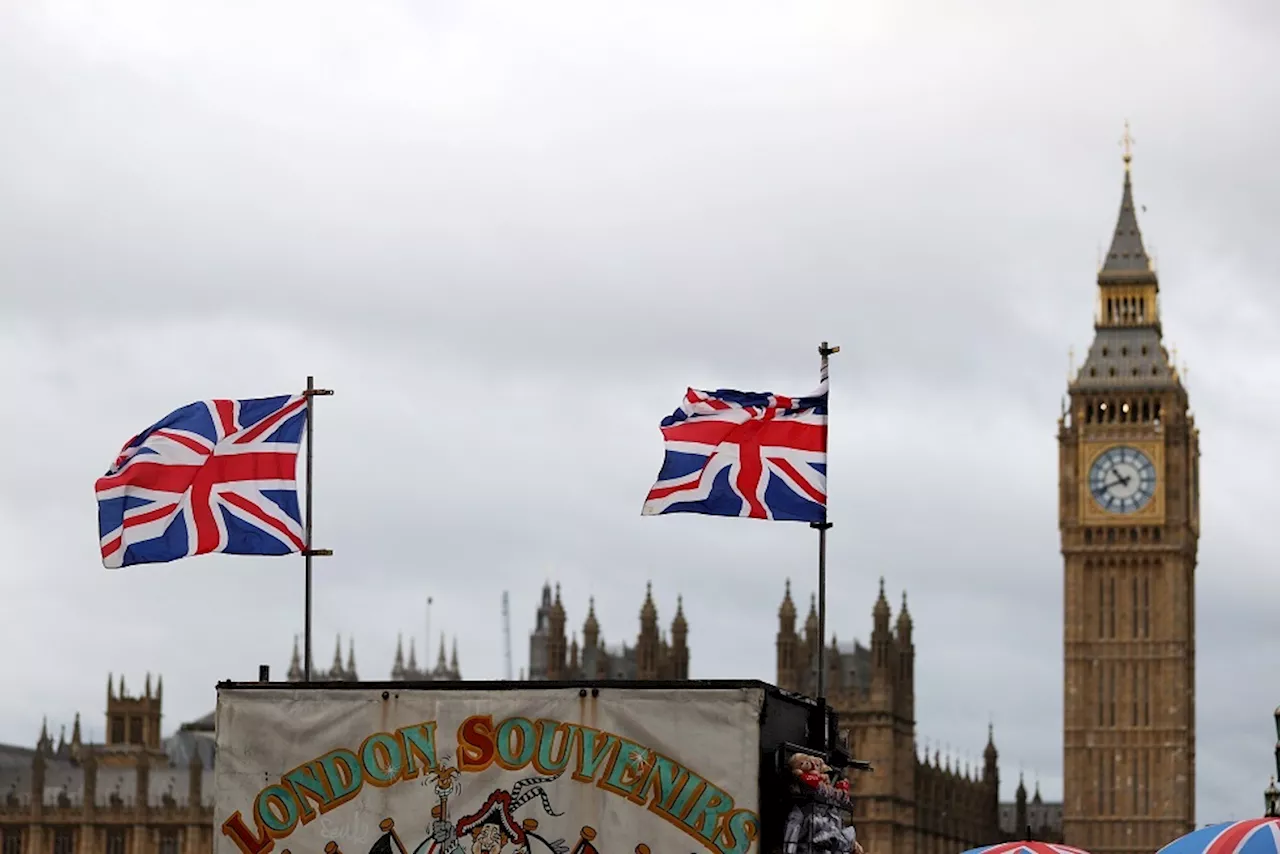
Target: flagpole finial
[[824, 349]]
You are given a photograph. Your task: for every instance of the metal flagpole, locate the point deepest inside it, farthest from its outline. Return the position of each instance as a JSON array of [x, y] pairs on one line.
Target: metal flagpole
[[822, 527], [308, 552]]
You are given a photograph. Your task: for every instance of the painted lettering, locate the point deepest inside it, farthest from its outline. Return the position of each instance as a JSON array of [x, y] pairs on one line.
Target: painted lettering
[[342, 774], [626, 771], [619, 765], [277, 810], [741, 828], [704, 818], [234, 829], [515, 756], [662, 783], [383, 759], [307, 783], [475, 743], [548, 730], [594, 747], [420, 744]]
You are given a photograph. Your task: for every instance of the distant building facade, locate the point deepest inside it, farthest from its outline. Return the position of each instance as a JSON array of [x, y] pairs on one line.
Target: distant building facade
[[909, 804], [401, 670], [136, 794], [553, 656], [1039, 820]]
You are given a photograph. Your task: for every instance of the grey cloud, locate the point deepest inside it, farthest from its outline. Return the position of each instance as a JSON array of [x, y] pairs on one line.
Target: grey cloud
[[510, 236]]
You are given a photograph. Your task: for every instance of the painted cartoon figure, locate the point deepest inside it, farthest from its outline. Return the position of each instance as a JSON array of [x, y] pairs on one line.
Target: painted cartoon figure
[[493, 827]]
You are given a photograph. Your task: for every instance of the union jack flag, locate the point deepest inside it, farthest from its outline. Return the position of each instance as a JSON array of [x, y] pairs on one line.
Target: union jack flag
[[1026, 848], [753, 454], [213, 476], [1249, 836]]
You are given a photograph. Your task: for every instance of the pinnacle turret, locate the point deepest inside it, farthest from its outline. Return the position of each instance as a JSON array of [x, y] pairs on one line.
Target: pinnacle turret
[[648, 611], [787, 611], [1127, 257], [880, 613], [904, 620], [882, 602], [1127, 350], [591, 627]]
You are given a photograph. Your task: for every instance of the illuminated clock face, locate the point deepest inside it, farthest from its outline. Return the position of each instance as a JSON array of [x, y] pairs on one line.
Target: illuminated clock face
[[1122, 480]]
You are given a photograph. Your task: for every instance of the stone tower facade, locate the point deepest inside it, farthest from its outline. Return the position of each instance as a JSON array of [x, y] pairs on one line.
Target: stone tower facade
[[910, 804], [555, 656], [1129, 518]]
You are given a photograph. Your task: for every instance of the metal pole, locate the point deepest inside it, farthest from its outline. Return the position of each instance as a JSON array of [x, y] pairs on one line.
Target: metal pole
[[308, 552], [822, 526]]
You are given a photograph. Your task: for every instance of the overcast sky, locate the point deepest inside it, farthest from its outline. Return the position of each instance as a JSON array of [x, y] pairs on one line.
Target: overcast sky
[[509, 234]]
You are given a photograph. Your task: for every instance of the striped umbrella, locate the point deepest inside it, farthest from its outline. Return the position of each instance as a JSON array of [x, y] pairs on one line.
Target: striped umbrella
[[1027, 848], [1251, 836]]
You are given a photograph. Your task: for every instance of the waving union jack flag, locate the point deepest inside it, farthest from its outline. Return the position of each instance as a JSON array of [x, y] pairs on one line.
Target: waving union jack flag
[[753, 454], [213, 476]]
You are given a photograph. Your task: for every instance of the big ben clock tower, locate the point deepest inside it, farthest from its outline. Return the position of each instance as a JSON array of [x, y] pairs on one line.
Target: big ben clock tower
[[1128, 472]]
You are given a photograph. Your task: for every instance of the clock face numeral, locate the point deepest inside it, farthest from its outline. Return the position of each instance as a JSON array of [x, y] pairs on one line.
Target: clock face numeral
[[1122, 480]]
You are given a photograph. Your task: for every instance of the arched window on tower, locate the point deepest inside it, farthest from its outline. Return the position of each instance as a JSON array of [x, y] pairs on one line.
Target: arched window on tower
[[1102, 695], [1146, 697], [1134, 600], [1146, 601], [1146, 782], [1112, 607], [1100, 769], [1133, 777], [1102, 604]]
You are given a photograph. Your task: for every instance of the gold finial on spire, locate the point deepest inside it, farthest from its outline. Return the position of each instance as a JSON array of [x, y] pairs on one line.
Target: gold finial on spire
[[1071, 362], [1127, 141]]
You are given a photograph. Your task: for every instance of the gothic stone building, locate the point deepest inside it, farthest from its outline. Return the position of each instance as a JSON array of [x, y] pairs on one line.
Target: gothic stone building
[[553, 656], [401, 671], [1129, 514], [908, 804], [1038, 819], [135, 794]]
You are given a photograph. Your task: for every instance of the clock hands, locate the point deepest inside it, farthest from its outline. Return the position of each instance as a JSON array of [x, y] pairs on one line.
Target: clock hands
[[1121, 480]]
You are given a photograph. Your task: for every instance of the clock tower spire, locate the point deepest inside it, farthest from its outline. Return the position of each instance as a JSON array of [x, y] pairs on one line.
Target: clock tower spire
[[1129, 522]]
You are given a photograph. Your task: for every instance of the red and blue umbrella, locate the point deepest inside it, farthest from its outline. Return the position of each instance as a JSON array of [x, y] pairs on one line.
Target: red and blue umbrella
[[1028, 848], [1251, 836]]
